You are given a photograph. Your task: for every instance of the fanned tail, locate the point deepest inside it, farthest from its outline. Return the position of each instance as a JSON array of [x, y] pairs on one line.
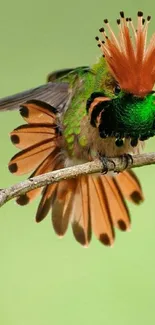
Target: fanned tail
[[91, 203], [99, 206], [39, 141]]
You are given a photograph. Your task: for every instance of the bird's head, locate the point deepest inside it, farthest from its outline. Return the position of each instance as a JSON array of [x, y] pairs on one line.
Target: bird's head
[[130, 113]]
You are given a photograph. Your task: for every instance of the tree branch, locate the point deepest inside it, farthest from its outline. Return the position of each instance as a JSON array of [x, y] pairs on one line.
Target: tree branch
[[112, 164]]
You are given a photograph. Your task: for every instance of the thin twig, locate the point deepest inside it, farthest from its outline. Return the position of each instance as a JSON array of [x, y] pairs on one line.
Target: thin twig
[[113, 164]]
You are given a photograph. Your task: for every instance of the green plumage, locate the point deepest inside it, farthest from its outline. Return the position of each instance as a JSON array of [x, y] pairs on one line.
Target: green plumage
[[124, 116], [135, 115], [84, 82]]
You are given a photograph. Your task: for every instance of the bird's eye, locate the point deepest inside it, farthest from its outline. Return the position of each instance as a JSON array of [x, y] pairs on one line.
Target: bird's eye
[[117, 89]]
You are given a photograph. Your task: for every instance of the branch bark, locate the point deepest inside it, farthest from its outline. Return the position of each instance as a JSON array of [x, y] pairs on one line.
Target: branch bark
[[113, 164]]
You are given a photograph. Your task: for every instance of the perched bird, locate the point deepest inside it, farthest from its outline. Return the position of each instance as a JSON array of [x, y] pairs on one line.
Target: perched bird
[[105, 110]]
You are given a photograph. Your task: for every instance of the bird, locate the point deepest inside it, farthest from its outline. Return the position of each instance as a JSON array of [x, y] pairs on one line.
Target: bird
[[100, 111]]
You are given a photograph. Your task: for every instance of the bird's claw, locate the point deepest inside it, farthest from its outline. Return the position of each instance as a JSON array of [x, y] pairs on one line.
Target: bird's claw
[[127, 160], [104, 161]]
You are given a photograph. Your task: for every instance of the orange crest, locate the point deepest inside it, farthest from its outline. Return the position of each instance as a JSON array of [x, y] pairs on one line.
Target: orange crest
[[130, 60]]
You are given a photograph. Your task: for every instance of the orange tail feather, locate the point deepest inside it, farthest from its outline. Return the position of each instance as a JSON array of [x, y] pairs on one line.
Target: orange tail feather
[[91, 203]]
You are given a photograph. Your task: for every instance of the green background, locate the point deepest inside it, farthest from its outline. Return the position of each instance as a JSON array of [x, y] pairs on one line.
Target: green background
[[45, 280]]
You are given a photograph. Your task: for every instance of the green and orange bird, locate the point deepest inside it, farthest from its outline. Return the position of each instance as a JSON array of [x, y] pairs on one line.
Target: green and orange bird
[[105, 110]]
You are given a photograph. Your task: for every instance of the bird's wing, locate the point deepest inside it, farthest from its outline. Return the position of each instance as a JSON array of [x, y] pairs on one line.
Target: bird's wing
[[56, 92], [53, 93]]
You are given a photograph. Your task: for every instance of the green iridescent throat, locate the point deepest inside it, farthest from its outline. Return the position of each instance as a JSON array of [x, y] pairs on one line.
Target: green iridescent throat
[[128, 116], [135, 115]]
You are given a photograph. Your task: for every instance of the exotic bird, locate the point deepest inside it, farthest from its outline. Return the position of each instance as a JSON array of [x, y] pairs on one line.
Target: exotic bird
[[81, 114]]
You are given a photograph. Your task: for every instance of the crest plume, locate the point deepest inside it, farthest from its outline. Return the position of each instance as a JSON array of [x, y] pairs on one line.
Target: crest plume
[[130, 59]]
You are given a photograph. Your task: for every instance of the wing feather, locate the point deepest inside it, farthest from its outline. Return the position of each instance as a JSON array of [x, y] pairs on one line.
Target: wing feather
[[50, 163], [55, 94], [28, 135], [29, 159], [81, 224], [130, 186], [100, 213], [62, 206], [118, 208]]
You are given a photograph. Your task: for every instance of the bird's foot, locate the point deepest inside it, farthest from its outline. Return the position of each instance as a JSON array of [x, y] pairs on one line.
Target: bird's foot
[[104, 160], [127, 160]]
